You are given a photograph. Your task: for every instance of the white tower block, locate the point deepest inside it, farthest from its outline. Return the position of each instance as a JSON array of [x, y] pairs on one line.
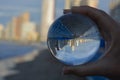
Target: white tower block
[[93, 3], [48, 12], [76, 2], [67, 4]]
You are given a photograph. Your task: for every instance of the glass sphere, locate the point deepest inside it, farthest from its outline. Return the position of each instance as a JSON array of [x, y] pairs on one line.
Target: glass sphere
[[74, 39]]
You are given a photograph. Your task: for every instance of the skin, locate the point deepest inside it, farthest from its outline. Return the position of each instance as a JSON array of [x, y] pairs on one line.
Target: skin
[[109, 65]]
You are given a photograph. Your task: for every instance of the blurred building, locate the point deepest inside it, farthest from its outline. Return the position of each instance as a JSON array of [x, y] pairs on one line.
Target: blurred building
[[25, 17], [48, 13], [115, 9], [67, 4], [21, 28], [28, 31], [17, 28], [79, 2], [27, 28], [13, 29], [114, 3], [92, 3], [1, 31], [10, 30]]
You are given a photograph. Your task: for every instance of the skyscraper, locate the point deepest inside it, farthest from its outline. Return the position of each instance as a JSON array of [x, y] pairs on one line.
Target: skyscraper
[[114, 3], [48, 13], [9, 31], [76, 2], [92, 3], [79, 2], [18, 28], [25, 29], [28, 31], [25, 17], [115, 9], [1, 31], [67, 4]]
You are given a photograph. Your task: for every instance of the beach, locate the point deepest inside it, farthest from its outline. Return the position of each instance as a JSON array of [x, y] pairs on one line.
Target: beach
[[39, 64]]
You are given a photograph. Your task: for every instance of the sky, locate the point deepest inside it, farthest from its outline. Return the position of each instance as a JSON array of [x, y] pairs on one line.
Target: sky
[[104, 5], [10, 8]]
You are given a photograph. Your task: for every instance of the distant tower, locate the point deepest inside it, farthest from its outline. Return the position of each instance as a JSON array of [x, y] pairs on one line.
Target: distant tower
[[76, 2], [67, 4], [25, 17], [115, 9], [114, 3], [48, 13], [1, 31], [79, 2], [93, 3]]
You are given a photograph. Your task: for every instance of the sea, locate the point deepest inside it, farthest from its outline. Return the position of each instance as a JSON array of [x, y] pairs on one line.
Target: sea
[[10, 49]]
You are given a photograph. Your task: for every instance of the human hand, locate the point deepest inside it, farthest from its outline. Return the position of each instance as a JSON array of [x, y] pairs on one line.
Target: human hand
[[110, 30]]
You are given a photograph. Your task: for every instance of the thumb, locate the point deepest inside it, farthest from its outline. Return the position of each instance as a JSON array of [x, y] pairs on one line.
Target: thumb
[[85, 70]]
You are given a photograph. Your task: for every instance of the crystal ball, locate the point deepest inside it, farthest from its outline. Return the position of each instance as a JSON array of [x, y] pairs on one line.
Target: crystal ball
[[74, 39]]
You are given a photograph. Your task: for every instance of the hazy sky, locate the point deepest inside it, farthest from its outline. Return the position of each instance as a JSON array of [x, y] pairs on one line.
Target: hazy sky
[[104, 5], [10, 8]]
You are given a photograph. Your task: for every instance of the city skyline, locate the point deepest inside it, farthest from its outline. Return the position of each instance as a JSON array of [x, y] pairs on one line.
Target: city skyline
[[20, 28], [9, 9], [47, 12]]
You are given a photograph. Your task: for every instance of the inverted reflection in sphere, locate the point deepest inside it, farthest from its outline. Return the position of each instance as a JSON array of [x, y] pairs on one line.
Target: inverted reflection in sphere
[[74, 39]]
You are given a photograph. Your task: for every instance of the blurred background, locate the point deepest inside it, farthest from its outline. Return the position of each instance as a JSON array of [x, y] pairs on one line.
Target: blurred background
[[23, 32]]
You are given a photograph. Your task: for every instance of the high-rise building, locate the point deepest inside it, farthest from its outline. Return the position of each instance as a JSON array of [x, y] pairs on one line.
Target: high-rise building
[[48, 13], [25, 17], [92, 3], [79, 2], [22, 22], [14, 26], [28, 31], [13, 30], [1, 31], [76, 2], [18, 28], [115, 9], [67, 4], [114, 3], [9, 31]]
